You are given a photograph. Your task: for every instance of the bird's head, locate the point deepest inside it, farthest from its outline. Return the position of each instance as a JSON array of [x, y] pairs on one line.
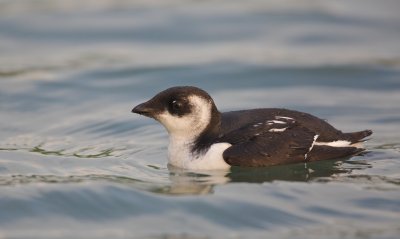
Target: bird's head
[[184, 111]]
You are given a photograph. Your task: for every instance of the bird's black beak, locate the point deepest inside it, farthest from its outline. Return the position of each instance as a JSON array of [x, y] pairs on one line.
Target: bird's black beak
[[145, 109]]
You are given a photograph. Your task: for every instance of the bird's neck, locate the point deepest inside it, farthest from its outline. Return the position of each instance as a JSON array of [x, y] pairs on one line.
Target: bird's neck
[[209, 135], [185, 148]]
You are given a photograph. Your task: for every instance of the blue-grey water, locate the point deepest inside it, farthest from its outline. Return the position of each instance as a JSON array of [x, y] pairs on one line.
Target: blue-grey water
[[75, 163]]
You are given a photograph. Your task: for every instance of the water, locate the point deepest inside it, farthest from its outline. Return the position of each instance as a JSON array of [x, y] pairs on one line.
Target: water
[[74, 162]]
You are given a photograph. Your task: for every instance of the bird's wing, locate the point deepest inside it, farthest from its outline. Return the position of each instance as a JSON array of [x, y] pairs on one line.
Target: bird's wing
[[268, 143]]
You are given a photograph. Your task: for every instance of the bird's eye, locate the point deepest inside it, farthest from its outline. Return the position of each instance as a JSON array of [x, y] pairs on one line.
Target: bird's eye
[[176, 105], [179, 107]]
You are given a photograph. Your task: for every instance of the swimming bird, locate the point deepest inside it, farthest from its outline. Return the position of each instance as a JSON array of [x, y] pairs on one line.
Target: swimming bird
[[202, 138]]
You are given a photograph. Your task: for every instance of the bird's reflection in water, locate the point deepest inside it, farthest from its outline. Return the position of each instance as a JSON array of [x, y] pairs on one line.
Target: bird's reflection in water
[[184, 182]]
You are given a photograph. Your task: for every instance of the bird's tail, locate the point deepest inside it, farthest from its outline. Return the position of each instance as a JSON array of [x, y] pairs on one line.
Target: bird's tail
[[357, 137], [353, 146]]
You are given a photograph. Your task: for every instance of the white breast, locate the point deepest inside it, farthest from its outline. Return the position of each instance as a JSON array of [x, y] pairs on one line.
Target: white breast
[[180, 155]]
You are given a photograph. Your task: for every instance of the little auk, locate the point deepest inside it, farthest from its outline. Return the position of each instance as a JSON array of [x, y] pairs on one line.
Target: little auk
[[202, 138]]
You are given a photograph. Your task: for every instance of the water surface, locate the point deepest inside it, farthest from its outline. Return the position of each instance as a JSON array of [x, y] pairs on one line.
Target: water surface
[[74, 162]]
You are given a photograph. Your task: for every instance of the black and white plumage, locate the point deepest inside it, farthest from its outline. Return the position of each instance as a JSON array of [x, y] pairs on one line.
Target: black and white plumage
[[203, 138]]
